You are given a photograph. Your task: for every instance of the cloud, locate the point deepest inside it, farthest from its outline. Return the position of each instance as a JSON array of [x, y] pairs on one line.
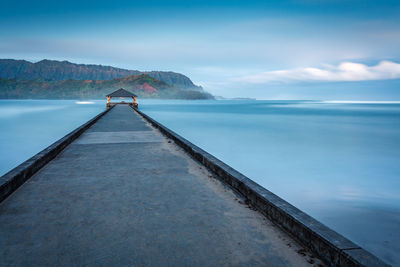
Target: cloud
[[344, 72]]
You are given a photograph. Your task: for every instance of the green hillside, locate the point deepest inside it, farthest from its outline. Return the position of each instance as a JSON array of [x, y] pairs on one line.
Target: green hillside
[[143, 85]]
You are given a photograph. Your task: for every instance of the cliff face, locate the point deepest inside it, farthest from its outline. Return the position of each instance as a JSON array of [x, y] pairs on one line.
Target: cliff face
[[142, 85], [64, 70]]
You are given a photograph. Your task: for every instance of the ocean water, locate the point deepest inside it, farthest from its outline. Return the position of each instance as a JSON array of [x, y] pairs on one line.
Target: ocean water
[[29, 126], [337, 161]]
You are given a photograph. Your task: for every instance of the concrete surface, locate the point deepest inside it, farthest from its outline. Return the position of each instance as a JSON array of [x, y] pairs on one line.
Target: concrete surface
[[138, 202]]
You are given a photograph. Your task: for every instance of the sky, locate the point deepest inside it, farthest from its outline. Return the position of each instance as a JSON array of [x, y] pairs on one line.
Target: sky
[[303, 49]]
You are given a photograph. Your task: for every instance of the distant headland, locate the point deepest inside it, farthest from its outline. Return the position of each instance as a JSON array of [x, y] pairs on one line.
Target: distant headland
[[51, 79]]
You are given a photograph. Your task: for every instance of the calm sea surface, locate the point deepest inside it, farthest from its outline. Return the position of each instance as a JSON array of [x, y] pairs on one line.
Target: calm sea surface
[[339, 162], [28, 126]]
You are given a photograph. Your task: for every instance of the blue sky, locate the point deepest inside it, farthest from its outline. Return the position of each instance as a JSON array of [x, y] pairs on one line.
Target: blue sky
[[265, 49]]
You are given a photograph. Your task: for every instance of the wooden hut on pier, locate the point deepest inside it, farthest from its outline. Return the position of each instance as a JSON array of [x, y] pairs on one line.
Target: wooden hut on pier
[[121, 93]]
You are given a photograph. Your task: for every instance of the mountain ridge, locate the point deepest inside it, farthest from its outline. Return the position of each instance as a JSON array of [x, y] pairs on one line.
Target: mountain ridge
[[64, 70]]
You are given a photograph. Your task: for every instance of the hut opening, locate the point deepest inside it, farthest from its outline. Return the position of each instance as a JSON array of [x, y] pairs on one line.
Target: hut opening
[[122, 93]]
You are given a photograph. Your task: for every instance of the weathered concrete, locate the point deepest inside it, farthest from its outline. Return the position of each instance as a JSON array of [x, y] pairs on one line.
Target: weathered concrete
[[141, 201]]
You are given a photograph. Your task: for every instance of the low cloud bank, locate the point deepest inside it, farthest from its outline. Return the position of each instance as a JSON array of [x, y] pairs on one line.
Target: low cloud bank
[[346, 71]]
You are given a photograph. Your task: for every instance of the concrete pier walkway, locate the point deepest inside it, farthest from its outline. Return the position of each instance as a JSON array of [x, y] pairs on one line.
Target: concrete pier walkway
[[122, 194]]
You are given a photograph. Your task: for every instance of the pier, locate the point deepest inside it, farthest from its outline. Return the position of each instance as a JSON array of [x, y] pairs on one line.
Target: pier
[[123, 190]]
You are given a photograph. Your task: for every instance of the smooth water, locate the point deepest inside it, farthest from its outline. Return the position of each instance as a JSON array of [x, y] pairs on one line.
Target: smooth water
[[339, 162], [29, 126]]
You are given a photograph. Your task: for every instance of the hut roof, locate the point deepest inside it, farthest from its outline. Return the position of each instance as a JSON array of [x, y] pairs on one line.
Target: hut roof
[[121, 93]]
